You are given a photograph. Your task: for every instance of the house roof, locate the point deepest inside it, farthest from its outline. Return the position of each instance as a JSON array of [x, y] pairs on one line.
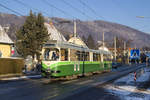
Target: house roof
[[4, 38], [54, 33]]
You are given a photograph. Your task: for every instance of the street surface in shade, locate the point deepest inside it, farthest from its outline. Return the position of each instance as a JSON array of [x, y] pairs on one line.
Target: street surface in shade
[[40, 89]]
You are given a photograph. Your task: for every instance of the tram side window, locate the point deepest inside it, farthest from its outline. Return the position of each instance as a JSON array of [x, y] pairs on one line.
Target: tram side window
[[86, 56], [46, 54], [96, 57], [74, 55], [64, 54], [79, 56], [51, 54], [107, 57]]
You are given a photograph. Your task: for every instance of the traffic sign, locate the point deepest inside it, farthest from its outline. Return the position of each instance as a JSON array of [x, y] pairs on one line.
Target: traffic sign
[[135, 53]]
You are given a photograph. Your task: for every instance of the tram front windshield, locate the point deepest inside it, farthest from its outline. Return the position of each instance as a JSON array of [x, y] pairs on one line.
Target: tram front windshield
[[51, 54]]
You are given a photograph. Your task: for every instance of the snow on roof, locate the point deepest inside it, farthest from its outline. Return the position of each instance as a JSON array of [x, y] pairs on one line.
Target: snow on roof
[[78, 41], [54, 33], [4, 38], [103, 48]]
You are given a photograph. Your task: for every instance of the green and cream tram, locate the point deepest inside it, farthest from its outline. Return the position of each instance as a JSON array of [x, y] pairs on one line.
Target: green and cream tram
[[61, 59]]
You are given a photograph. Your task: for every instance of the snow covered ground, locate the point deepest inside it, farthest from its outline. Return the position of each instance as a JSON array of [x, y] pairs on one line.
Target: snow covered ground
[[127, 89]]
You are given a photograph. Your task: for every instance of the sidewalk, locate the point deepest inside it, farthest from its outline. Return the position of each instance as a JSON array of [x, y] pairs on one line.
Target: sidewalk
[[24, 75]]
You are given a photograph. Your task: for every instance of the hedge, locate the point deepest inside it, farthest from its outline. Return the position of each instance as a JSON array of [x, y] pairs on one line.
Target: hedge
[[11, 66]]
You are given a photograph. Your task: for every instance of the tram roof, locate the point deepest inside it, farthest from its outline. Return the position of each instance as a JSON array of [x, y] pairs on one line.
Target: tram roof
[[63, 44]]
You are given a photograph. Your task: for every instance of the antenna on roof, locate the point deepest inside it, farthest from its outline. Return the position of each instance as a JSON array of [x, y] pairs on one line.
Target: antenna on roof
[[75, 29], [103, 39]]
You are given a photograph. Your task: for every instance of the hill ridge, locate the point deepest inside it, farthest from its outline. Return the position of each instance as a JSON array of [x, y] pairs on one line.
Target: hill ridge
[[84, 28]]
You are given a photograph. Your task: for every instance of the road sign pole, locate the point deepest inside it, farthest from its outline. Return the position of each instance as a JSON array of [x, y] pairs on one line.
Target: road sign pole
[[115, 49]]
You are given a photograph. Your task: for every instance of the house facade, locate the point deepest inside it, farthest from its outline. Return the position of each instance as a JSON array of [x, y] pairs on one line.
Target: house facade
[[6, 44]]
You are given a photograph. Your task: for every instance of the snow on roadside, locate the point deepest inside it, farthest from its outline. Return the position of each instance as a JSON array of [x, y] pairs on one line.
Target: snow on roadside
[[127, 79], [145, 76], [135, 98], [126, 89], [130, 78]]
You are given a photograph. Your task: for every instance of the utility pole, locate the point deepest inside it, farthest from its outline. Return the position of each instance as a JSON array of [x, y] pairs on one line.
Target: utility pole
[[103, 40], [83, 70], [135, 46], [102, 58], [124, 52], [115, 48], [75, 29]]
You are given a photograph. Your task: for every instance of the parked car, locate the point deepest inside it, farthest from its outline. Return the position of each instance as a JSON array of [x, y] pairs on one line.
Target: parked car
[[115, 65]]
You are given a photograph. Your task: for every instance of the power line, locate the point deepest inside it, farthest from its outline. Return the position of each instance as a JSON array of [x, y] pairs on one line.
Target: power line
[[28, 6], [115, 3], [92, 10], [76, 9], [11, 10], [58, 9]]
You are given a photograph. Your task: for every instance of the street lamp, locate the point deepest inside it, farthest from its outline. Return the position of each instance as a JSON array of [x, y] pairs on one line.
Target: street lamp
[[142, 17]]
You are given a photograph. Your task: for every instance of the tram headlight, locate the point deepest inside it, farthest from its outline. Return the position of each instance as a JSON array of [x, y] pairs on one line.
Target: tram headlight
[[56, 71], [48, 69]]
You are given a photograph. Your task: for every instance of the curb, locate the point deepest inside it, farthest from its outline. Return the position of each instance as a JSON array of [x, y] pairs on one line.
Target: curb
[[21, 78]]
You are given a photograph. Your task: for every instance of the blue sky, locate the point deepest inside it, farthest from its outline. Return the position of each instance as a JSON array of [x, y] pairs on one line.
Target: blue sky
[[118, 11]]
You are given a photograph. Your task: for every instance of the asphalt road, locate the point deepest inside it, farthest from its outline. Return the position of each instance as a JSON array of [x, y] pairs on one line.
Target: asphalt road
[[83, 88], [95, 93]]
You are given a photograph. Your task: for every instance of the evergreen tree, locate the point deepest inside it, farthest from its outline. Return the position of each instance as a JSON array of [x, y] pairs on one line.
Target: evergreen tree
[[84, 39], [41, 33], [31, 36], [67, 37], [90, 42]]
